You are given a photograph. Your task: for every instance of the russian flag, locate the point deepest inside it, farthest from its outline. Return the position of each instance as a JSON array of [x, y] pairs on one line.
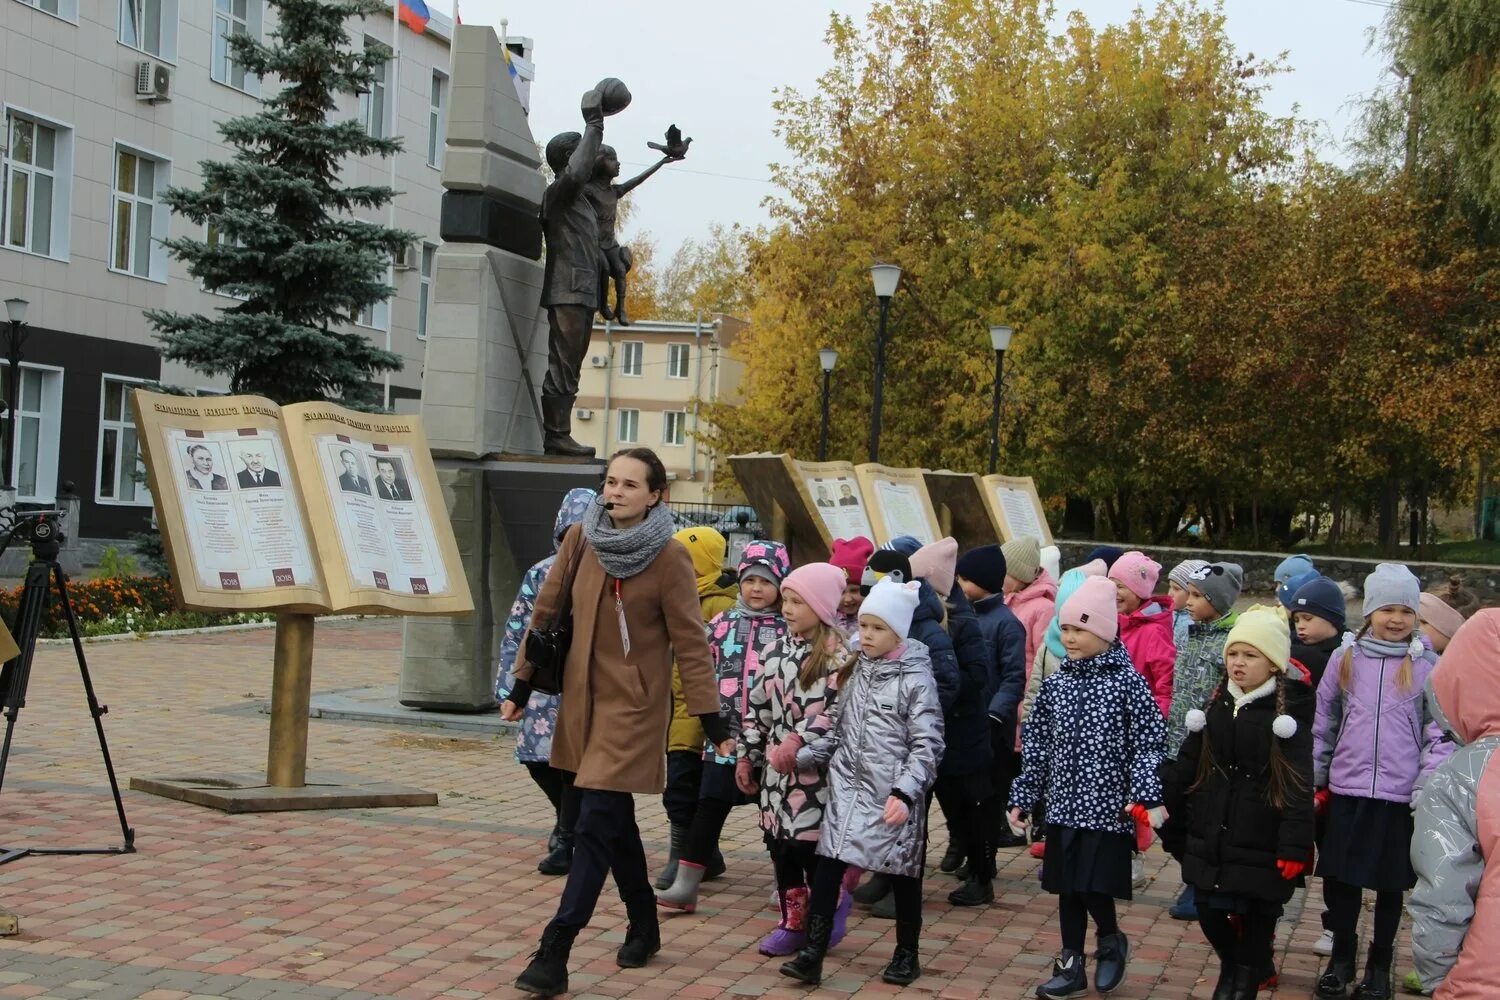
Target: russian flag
[[414, 14]]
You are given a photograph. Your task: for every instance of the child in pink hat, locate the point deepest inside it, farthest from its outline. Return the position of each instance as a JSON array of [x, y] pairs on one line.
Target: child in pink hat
[[1146, 623]]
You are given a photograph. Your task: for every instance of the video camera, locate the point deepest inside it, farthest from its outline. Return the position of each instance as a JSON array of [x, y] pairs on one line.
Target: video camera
[[41, 529]]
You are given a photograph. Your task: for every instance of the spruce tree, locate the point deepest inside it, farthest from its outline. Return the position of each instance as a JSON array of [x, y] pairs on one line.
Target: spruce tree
[[282, 234]]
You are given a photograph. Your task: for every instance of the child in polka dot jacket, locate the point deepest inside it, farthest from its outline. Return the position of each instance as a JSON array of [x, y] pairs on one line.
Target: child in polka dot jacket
[[1092, 745]]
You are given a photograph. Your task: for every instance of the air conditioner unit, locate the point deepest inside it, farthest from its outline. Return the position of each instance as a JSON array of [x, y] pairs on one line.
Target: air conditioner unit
[[153, 81], [408, 259], [599, 361], [585, 414]]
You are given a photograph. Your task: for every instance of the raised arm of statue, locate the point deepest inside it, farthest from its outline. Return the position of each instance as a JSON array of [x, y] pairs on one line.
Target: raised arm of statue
[[581, 164], [626, 187]]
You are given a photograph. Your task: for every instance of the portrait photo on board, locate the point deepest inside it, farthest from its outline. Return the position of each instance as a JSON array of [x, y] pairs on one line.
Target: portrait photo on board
[[350, 467], [204, 466], [390, 479], [257, 464]]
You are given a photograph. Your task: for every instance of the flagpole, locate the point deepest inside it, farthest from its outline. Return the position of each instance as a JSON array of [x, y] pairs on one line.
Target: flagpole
[[395, 100]]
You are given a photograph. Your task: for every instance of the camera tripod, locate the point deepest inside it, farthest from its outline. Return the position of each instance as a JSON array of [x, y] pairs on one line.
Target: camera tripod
[[43, 530]]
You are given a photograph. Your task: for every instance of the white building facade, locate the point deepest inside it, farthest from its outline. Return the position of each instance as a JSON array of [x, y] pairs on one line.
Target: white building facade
[[107, 103]]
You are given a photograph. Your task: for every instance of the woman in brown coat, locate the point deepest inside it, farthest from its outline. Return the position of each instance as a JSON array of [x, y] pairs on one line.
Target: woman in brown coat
[[635, 605]]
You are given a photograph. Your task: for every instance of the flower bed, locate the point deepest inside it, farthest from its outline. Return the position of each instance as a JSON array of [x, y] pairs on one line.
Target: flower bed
[[123, 604]]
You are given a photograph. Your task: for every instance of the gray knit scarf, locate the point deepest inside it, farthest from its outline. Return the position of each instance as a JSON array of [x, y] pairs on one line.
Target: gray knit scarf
[[624, 552]]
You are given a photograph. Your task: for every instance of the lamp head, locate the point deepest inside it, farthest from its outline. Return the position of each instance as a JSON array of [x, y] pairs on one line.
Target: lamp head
[[886, 277], [1000, 337], [15, 310], [829, 358]]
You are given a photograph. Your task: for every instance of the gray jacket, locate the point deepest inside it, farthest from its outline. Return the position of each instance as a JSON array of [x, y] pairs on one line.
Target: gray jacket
[[885, 738]]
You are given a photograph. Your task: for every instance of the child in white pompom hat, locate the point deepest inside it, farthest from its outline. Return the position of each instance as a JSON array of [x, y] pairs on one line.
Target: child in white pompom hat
[[1242, 788]]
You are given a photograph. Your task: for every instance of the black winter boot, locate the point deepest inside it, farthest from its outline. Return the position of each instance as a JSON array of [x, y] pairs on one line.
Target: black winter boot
[[643, 936], [715, 867], [1339, 975], [807, 967], [547, 975], [904, 968], [1224, 988], [874, 889], [1378, 983], [1110, 961], [559, 860], [952, 857], [1068, 978], [1245, 985], [669, 872], [975, 892]]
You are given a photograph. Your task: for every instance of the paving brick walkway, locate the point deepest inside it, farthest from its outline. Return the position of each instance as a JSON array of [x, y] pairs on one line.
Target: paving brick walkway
[[419, 903]]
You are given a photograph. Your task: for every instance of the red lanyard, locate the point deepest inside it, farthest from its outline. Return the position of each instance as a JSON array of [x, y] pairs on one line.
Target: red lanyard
[[620, 611]]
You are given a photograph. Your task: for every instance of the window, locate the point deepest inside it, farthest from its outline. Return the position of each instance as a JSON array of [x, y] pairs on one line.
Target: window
[[376, 315], [214, 238], [673, 427], [373, 110], [34, 185], [677, 360], [150, 26], [630, 426], [424, 290], [120, 467], [39, 415], [65, 9], [437, 119], [139, 220], [631, 353], [233, 17]]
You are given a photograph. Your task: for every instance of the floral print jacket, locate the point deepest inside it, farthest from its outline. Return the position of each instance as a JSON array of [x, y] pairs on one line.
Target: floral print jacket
[[739, 639]]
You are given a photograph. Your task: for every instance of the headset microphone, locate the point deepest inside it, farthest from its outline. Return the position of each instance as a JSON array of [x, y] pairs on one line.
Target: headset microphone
[[605, 504]]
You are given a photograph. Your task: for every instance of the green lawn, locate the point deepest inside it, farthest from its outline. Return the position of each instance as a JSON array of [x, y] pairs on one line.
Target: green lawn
[[1473, 552]]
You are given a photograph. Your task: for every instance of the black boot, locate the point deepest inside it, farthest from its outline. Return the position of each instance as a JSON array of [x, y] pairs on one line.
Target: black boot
[[1068, 978], [669, 873], [1339, 976], [904, 968], [1110, 961], [975, 892], [557, 428], [559, 860], [952, 858], [643, 936], [807, 967], [715, 867], [1378, 983], [547, 975], [874, 889], [885, 907], [1224, 988], [1245, 985]]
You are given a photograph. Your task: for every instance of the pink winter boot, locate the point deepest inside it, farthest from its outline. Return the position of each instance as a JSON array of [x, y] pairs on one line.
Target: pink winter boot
[[791, 934]]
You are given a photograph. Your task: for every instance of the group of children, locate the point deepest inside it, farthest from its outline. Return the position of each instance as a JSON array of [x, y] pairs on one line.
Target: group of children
[[1096, 714]]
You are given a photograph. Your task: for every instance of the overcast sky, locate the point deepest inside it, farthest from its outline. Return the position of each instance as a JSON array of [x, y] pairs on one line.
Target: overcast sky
[[711, 67]]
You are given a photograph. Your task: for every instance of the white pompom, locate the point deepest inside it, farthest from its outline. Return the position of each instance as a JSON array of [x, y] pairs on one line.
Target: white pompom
[[1416, 649], [1196, 720], [1285, 726]]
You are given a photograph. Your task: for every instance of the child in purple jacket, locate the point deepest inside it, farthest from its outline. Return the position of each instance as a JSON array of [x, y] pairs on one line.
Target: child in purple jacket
[[1374, 742]]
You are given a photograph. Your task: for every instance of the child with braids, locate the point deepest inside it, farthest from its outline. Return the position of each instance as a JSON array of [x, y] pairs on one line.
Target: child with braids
[[1240, 797], [1374, 742]]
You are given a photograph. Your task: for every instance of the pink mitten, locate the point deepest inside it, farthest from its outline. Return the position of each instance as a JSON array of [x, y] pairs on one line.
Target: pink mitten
[[783, 756]]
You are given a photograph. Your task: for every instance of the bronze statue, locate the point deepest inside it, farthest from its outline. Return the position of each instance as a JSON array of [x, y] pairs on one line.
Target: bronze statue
[[578, 216], [605, 196]]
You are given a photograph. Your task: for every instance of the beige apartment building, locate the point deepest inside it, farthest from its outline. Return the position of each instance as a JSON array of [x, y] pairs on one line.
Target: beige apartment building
[[106, 103], [644, 384]]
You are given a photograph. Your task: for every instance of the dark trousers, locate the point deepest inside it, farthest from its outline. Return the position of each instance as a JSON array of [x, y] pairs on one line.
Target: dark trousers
[[606, 841], [1003, 770], [684, 773], [1343, 901], [558, 787], [795, 861], [703, 834], [968, 822], [828, 879], [1252, 943], [1073, 912], [568, 329]]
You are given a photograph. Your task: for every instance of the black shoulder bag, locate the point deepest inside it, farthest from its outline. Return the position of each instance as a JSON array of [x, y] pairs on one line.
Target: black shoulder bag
[[547, 648]]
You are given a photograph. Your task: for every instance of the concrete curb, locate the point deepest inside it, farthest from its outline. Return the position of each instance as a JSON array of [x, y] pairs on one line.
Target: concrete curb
[[170, 633]]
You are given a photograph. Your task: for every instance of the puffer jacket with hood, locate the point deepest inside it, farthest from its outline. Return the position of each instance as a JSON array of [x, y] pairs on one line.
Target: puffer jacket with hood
[[1092, 746], [1147, 634], [966, 726], [1373, 739], [1034, 605], [1050, 653], [740, 638], [534, 739], [885, 739], [1455, 907], [715, 594]]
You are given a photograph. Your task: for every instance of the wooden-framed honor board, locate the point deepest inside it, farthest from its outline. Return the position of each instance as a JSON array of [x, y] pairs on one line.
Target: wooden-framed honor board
[[309, 508]]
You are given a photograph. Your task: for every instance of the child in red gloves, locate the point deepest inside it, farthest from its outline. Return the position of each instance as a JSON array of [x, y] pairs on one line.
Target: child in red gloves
[[1240, 794]]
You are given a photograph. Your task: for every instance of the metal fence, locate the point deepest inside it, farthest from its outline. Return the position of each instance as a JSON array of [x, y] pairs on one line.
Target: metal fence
[[725, 518]]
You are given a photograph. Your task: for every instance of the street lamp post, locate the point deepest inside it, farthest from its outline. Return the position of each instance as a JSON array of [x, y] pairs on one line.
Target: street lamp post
[[15, 311], [828, 357], [1000, 341], [885, 278]]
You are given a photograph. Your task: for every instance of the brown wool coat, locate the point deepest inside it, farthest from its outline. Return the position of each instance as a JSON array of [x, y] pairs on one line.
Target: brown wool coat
[[613, 716]]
